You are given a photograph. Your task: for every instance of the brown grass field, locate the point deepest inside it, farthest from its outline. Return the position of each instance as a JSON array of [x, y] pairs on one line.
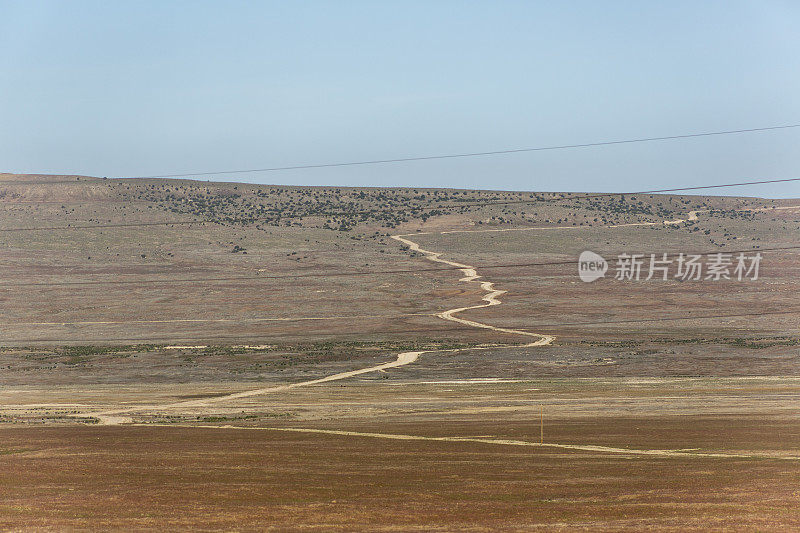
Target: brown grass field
[[171, 353]]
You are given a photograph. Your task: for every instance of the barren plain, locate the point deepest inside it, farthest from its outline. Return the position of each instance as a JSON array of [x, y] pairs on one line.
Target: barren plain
[[226, 355]]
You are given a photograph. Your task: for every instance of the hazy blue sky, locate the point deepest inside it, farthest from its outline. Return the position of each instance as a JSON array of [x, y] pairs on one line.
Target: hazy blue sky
[[113, 88]]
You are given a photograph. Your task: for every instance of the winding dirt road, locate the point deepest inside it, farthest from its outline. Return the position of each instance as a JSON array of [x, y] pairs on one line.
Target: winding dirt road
[[118, 416], [471, 276], [121, 416]]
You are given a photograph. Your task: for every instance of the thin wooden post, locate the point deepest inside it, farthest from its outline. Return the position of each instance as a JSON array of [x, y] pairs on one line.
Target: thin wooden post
[[541, 423]]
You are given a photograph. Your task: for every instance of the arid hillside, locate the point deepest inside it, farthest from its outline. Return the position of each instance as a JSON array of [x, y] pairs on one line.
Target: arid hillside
[[91, 260]]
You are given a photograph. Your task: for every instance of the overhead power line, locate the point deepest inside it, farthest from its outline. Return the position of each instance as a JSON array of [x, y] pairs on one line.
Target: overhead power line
[[472, 154], [548, 199]]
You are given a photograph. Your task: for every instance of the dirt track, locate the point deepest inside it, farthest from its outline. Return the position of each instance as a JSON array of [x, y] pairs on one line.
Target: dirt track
[[114, 416], [470, 276], [635, 454], [513, 442], [117, 416]]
